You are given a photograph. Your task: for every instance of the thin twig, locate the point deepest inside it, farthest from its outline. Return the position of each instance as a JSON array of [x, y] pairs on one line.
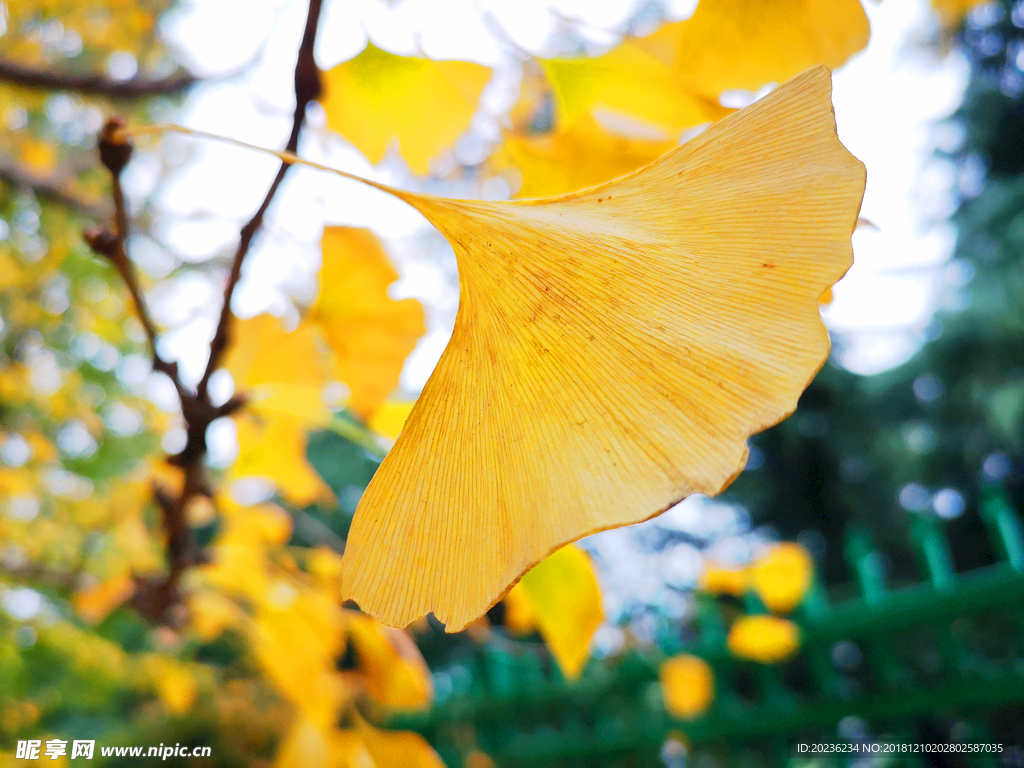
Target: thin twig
[[115, 155], [32, 77], [308, 88]]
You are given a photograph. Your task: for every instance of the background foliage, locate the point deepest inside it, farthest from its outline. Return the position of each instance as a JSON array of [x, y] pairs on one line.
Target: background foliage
[[247, 648]]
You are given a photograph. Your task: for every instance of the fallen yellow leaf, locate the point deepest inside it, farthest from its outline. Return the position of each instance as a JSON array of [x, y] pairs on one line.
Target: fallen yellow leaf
[[564, 600], [688, 685], [369, 333], [424, 105], [613, 351]]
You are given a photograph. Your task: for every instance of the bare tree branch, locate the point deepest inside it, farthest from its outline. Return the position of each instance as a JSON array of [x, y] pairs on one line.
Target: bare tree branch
[[31, 77]]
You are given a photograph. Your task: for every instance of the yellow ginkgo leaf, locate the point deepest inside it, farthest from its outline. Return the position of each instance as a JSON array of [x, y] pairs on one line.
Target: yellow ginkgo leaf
[[782, 576], [613, 351], [264, 354], [577, 156], [395, 673], [369, 333], [282, 375], [627, 81], [564, 599], [687, 685], [766, 639], [296, 645], [275, 448], [397, 749], [729, 44], [722, 580], [378, 97]]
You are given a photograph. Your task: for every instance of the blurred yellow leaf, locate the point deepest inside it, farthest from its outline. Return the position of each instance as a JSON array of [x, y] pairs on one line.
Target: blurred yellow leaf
[[369, 333], [240, 563], [312, 745], [38, 156], [739, 44], [395, 673], [397, 749], [295, 642], [325, 563], [782, 576], [613, 351], [519, 614], [15, 482], [283, 375], [95, 602], [276, 449], [378, 97], [766, 639], [564, 599], [307, 744], [724, 581], [577, 156], [688, 686], [174, 683], [211, 613], [627, 81], [390, 417], [534, 99], [263, 356]]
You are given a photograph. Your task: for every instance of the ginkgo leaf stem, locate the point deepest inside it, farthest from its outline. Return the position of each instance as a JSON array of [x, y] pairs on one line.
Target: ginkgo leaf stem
[[286, 157]]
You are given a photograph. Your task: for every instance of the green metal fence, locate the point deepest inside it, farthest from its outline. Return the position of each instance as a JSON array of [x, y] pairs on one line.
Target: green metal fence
[[949, 646]]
